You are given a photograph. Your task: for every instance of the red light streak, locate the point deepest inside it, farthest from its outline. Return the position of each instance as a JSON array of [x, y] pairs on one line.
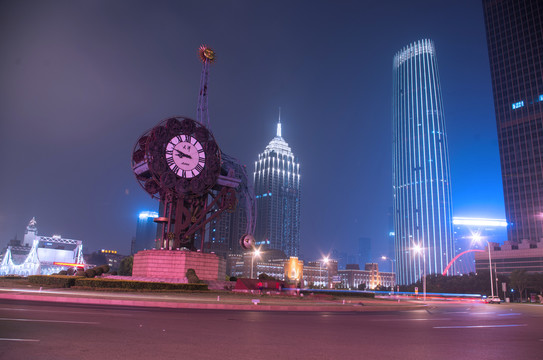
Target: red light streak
[[69, 264]]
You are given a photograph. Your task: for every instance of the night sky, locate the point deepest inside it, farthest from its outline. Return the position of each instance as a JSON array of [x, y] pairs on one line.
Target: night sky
[[81, 81]]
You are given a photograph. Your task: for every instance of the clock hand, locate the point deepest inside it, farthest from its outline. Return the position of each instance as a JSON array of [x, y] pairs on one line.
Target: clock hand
[[182, 154]]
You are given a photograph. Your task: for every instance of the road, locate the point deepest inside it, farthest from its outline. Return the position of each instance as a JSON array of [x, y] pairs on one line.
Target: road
[[37, 330]]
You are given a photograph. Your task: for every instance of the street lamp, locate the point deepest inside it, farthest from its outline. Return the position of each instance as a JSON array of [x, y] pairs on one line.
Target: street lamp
[[324, 260], [420, 250], [477, 238], [392, 264], [256, 253]]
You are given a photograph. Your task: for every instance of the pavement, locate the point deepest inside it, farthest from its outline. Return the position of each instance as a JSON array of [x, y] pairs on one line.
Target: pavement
[[208, 300]]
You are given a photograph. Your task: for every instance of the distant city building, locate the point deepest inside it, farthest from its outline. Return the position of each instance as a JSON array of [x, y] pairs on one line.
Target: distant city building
[[224, 232], [41, 255], [370, 278], [113, 259], [277, 189], [31, 233], [313, 273], [146, 232], [511, 256], [421, 179], [342, 258], [514, 31], [474, 233], [364, 251], [275, 264]]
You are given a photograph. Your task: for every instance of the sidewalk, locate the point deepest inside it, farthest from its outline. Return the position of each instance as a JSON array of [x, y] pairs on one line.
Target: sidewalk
[[212, 300]]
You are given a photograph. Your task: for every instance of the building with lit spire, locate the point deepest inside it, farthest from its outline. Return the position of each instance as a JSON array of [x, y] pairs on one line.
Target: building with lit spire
[[277, 191]]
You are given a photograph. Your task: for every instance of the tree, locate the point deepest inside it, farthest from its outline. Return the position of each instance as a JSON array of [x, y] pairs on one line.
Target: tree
[[536, 282], [519, 281], [265, 276], [125, 268]]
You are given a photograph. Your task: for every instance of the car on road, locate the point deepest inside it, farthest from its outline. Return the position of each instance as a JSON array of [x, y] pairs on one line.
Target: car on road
[[492, 300]]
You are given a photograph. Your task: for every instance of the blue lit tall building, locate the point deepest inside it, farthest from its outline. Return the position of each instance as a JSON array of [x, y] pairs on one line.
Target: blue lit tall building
[[146, 232], [277, 191], [421, 179]]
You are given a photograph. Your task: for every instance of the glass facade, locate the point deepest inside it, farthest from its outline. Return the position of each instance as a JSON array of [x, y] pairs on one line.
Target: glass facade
[[146, 232], [473, 234], [514, 31], [277, 191], [421, 180]]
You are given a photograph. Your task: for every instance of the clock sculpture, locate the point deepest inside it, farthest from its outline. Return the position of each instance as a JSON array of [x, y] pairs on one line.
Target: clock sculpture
[[179, 162]]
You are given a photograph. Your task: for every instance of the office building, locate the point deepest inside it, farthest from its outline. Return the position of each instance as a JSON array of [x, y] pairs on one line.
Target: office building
[[365, 254], [510, 256], [146, 232], [368, 279], [471, 236], [514, 31], [277, 191], [421, 179], [224, 232]]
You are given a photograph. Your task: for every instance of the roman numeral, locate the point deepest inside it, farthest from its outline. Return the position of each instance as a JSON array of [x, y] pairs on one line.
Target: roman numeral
[[169, 152], [176, 169], [199, 168], [200, 151], [202, 160], [170, 161]]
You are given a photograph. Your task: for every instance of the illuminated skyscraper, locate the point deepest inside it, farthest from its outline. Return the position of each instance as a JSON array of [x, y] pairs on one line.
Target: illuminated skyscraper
[[514, 32], [277, 190], [421, 180], [146, 232]]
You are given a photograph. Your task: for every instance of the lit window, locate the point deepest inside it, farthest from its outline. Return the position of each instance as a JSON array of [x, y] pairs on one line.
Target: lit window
[[540, 97], [518, 105]]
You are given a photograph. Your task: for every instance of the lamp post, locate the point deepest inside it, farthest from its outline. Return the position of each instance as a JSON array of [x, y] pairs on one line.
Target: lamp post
[[256, 253], [420, 250], [392, 264], [478, 238], [324, 260], [490, 269]]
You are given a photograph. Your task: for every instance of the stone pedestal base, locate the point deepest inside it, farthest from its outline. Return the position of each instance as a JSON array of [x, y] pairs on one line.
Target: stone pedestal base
[[173, 264]]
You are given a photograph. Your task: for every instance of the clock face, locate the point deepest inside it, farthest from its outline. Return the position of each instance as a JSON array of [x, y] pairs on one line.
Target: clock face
[[185, 156]]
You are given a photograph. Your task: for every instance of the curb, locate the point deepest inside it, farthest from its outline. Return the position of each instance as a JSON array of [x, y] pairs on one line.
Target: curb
[[184, 305]]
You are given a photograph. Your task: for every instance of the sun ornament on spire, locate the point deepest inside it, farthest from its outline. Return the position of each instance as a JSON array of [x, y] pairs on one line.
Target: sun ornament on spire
[[207, 54]]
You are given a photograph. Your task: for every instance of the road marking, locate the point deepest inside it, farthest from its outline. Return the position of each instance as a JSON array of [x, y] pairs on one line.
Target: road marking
[[456, 312], [478, 326], [4, 339], [484, 313], [66, 312], [52, 321], [424, 319]]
